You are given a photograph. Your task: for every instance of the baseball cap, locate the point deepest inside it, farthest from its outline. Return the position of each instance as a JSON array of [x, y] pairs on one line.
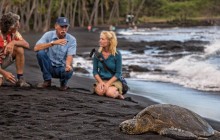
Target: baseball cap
[[62, 21]]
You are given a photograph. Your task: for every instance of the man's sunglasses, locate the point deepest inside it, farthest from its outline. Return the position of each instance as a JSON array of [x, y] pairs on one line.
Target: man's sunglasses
[[64, 26]]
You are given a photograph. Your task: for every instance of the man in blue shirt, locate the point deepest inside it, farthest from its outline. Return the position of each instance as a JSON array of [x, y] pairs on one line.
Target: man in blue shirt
[[55, 51]]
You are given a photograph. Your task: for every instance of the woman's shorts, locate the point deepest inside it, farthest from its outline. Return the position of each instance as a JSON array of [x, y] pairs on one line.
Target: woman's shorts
[[116, 84]]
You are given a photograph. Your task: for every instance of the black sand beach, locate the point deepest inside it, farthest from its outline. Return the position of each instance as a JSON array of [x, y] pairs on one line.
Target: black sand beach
[[73, 114]]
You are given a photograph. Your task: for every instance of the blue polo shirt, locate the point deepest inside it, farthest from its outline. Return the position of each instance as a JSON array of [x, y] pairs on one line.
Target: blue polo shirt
[[58, 53]]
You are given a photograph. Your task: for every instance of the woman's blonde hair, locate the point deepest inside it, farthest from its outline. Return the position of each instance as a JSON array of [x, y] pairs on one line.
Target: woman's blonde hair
[[110, 35]]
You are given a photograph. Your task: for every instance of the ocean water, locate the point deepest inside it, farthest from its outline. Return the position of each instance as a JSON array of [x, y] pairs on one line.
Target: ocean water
[[194, 70], [203, 103], [191, 81]]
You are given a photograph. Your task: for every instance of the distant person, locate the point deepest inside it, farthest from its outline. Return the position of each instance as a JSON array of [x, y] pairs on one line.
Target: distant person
[[89, 28], [135, 28], [129, 19], [112, 28], [12, 47], [107, 83], [55, 51]]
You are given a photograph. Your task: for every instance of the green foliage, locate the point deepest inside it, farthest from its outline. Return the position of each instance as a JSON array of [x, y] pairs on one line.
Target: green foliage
[[124, 7], [151, 10], [178, 10], [17, 2], [152, 7]]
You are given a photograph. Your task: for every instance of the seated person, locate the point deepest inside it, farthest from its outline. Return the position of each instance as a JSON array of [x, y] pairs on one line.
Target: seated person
[[12, 47], [107, 83]]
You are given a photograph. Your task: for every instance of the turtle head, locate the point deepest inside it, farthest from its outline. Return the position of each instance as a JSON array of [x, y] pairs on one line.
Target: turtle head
[[128, 126], [135, 126]]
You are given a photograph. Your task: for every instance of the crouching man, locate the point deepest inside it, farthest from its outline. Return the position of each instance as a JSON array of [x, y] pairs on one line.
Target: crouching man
[[55, 51]]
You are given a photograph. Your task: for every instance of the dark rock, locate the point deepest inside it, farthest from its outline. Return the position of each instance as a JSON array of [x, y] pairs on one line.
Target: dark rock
[[138, 68], [195, 45], [158, 70], [80, 70], [139, 51]]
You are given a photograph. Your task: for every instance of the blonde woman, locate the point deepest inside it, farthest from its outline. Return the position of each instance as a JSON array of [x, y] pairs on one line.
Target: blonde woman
[[107, 83]]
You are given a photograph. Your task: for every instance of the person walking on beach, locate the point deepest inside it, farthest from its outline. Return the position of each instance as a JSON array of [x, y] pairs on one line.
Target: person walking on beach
[[55, 51], [107, 83], [12, 47]]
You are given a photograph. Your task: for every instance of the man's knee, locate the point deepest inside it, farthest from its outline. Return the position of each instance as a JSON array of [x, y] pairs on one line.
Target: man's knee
[[69, 74], [65, 74], [19, 50]]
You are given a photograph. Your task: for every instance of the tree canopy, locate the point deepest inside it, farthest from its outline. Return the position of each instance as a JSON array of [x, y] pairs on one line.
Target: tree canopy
[[39, 15]]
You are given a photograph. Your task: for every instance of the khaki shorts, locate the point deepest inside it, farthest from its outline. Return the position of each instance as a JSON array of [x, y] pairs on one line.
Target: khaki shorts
[[116, 84], [7, 61]]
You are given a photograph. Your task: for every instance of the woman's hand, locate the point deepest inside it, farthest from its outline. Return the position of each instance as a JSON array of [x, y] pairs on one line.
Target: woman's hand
[[106, 86], [100, 88]]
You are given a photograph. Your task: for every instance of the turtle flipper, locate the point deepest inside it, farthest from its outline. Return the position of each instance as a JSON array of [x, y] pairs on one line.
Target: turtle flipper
[[177, 133]]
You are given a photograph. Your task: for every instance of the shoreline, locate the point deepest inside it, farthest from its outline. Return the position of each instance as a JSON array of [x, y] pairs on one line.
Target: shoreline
[[203, 103], [74, 114]]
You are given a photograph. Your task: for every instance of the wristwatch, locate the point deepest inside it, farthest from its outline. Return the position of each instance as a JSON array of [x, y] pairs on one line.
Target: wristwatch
[[51, 43]]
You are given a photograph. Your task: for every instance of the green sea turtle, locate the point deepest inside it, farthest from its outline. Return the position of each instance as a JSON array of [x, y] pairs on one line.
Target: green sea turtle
[[168, 120]]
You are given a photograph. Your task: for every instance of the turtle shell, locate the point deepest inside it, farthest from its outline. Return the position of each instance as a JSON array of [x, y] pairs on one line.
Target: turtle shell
[[160, 116]]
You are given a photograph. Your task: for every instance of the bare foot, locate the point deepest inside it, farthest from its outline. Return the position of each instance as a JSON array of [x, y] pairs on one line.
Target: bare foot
[[121, 97]]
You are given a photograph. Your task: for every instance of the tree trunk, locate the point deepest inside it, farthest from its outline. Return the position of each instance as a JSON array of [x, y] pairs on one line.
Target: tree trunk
[[117, 12], [79, 14], [67, 12], [31, 5], [102, 12], [94, 11], [60, 8], [71, 13], [138, 10], [74, 13], [114, 12], [22, 15], [47, 16], [2, 3], [84, 11], [38, 17]]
